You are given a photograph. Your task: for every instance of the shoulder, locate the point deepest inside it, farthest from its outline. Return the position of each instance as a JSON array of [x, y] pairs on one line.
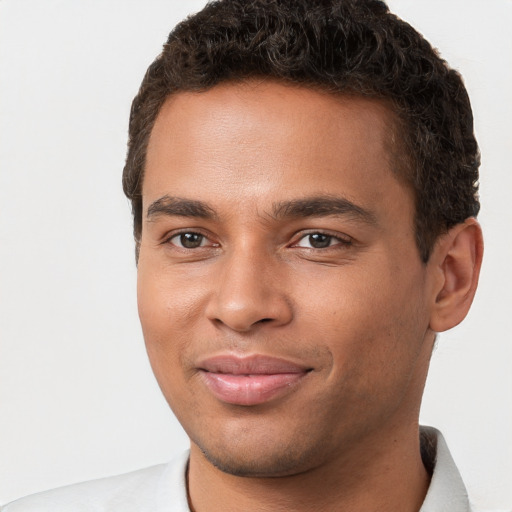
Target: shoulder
[[139, 491], [479, 509], [95, 495]]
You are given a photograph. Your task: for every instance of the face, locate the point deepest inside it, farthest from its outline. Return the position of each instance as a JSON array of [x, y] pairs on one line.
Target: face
[[282, 298]]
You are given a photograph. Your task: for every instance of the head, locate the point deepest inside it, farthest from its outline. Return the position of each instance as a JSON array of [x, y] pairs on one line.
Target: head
[[302, 175]]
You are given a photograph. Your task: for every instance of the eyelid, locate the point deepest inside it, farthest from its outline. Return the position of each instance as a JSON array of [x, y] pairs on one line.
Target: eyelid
[[344, 240], [177, 232]]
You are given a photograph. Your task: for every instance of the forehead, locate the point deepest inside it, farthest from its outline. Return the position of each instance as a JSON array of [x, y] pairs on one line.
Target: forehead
[[265, 139], [246, 106]]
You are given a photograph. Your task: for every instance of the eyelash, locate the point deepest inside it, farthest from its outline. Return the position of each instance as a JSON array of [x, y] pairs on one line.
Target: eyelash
[[341, 241], [168, 239]]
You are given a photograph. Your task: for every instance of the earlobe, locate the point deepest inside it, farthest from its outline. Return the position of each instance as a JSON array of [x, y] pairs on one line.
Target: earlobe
[[457, 259]]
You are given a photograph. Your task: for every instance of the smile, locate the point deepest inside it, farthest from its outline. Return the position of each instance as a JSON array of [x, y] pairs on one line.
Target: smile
[[250, 380]]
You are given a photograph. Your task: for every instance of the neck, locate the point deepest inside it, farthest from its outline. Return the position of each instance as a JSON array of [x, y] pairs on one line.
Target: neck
[[382, 473]]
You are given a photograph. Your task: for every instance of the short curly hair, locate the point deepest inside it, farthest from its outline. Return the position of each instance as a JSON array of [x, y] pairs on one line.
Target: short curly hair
[[352, 46]]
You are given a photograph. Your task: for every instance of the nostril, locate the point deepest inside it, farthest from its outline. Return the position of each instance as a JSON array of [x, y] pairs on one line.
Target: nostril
[[263, 320]]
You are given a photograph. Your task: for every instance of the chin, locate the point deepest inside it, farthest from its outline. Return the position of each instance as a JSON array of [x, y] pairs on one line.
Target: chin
[[269, 459]]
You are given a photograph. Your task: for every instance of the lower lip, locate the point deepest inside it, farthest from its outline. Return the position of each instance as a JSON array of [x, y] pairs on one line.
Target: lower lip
[[250, 389]]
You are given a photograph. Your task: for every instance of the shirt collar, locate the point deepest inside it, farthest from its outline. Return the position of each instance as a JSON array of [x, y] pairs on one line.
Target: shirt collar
[[446, 492]]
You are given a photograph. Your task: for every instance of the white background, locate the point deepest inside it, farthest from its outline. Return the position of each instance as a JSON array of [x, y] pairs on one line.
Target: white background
[[77, 397]]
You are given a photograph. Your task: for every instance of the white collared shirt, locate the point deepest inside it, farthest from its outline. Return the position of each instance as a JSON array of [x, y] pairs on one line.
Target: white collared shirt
[[162, 488]]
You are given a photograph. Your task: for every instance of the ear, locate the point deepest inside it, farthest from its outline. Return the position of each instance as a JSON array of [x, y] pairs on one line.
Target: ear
[[457, 258]]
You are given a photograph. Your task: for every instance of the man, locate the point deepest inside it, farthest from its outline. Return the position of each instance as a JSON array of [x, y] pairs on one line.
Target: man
[[303, 182]]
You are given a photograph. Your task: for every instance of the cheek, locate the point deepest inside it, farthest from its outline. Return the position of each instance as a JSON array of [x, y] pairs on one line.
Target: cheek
[[166, 300], [167, 312], [373, 322]]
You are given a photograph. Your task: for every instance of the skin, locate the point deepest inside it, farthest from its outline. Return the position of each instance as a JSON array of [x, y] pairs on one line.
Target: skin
[[360, 312]]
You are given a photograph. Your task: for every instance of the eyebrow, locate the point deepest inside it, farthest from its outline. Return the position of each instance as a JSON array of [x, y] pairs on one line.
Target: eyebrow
[[318, 206], [322, 206], [178, 206]]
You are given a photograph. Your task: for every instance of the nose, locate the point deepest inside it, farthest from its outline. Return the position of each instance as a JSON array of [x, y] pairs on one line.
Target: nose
[[250, 292]]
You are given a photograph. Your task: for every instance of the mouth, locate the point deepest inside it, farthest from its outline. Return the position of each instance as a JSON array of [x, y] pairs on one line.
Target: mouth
[[250, 380]]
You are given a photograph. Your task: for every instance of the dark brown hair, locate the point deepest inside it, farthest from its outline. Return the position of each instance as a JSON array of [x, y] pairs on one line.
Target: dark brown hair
[[353, 46]]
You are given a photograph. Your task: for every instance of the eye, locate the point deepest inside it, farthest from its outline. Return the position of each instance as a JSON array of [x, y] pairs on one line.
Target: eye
[[320, 241], [188, 240]]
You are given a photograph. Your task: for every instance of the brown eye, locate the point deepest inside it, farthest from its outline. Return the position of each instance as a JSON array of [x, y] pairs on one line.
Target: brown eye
[[316, 241], [188, 240], [319, 240]]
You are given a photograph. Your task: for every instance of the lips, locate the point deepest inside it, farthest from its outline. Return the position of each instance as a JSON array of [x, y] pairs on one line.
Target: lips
[[250, 380]]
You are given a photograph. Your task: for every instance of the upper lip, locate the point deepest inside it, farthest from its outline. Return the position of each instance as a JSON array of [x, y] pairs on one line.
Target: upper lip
[[255, 364]]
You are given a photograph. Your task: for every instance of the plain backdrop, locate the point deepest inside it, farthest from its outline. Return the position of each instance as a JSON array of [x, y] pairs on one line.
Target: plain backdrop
[[77, 397]]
